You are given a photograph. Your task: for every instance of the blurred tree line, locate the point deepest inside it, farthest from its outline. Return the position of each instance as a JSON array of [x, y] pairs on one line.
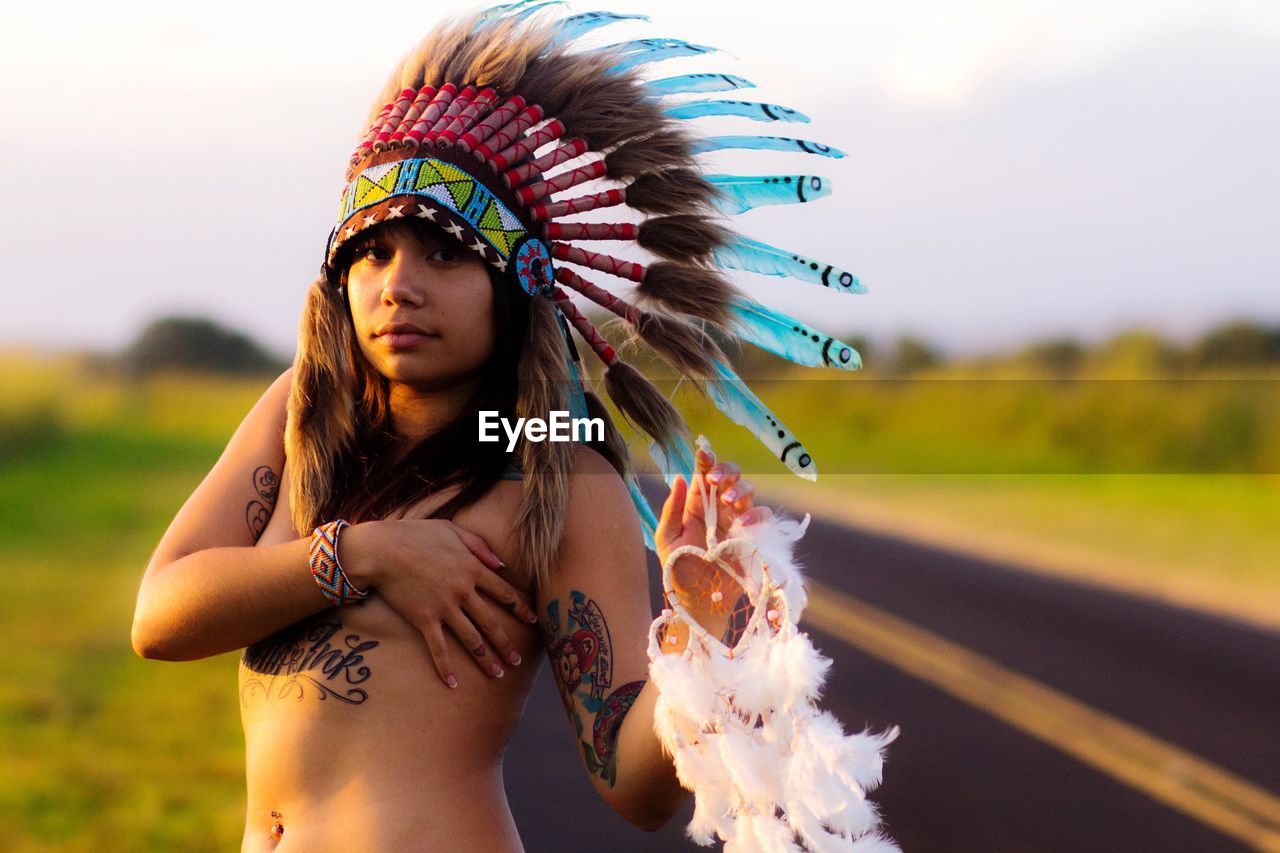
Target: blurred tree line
[[196, 344], [199, 344], [1235, 345]]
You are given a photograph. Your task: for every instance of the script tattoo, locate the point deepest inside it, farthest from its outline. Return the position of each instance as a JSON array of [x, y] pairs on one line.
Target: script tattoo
[[258, 512], [581, 654], [307, 654]]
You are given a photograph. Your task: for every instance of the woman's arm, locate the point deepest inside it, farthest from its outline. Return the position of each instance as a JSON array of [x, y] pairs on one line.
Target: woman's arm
[[209, 590], [596, 622], [596, 618], [206, 566]]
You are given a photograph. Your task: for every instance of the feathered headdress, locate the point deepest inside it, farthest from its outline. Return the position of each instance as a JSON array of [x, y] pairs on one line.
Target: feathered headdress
[[498, 130]]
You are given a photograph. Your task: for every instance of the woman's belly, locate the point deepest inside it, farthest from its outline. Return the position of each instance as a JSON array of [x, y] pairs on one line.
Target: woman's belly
[[354, 742]]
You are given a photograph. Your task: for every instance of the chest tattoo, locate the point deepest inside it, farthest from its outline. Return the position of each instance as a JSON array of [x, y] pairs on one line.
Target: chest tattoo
[[313, 656]]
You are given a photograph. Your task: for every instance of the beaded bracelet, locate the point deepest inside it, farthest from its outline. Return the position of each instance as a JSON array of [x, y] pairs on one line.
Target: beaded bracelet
[[326, 569]]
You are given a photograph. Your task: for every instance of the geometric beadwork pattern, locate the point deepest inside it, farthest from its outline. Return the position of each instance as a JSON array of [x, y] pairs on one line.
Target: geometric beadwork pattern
[[325, 568], [452, 190]]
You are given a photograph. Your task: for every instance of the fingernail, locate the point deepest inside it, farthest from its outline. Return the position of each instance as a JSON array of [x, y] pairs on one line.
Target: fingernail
[[496, 670], [514, 658], [531, 618], [451, 681], [748, 520], [714, 477], [731, 495]]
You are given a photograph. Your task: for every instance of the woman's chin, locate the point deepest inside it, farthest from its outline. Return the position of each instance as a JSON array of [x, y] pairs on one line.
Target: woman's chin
[[409, 370]]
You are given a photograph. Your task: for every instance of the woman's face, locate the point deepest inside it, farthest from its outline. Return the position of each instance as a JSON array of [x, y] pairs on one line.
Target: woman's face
[[422, 307]]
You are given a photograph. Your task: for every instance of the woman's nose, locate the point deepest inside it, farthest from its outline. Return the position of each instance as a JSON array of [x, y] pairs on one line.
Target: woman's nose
[[406, 280]]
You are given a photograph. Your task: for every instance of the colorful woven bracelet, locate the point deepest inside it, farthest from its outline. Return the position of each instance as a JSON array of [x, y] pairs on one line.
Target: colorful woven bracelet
[[326, 569]]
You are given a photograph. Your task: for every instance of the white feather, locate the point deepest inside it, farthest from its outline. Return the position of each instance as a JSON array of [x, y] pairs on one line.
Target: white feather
[[744, 730], [874, 843]]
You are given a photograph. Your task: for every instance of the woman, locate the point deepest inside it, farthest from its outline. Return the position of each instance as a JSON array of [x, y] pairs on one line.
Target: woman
[[350, 723], [438, 301]]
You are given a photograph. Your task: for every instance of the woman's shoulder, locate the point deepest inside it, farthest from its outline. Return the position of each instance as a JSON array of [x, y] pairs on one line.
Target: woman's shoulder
[[598, 498]]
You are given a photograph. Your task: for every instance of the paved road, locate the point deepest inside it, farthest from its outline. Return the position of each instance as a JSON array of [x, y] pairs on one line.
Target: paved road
[[959, 778]]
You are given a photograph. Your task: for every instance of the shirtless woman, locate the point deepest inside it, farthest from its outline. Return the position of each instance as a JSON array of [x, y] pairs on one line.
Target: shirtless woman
[[354, 739], [438, 299]]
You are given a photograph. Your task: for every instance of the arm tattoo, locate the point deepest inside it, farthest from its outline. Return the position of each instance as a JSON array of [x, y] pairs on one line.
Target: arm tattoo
[[307, 653], [581, 654], [258, 512]]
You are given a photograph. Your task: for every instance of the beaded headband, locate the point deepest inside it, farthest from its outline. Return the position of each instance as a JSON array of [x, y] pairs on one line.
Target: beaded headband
[[495, 117]]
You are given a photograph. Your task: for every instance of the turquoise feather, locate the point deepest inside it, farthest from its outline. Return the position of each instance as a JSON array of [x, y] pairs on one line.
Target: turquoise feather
[[740, 193], [649, 44], [786, 336], [577, 25], [698, 83], [524, 8], [732, 396], [743, 253], [680, 462], [668, 49], [753, 110], [765, 143], [648, 521]]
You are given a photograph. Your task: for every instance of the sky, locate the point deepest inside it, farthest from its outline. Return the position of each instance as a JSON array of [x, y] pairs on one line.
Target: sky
[[1015, 169]]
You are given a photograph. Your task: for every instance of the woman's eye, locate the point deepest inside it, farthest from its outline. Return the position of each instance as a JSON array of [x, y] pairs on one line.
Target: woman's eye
[[371, 251], [446, 255]]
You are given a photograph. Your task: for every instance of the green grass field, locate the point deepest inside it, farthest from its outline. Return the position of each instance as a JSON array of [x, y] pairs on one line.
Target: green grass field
[[104, 751]]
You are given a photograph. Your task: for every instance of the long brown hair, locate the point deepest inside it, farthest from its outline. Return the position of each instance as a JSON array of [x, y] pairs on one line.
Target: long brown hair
[[346, 461]]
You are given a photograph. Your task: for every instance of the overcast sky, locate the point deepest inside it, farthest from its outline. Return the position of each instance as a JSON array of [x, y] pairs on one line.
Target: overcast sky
[[1015, 169]]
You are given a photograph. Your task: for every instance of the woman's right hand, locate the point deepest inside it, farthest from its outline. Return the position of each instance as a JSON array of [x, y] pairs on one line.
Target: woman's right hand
[[436, 575]]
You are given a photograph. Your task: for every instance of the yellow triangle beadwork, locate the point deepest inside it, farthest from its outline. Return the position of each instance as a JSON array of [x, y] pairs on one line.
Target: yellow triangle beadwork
[[461, 192], [369, 191]]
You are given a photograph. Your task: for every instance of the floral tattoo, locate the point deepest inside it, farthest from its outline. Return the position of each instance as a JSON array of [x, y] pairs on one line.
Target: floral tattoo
[[581, 654]]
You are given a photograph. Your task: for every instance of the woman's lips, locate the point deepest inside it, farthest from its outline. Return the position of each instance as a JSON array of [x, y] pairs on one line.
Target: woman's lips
[[403, 340]]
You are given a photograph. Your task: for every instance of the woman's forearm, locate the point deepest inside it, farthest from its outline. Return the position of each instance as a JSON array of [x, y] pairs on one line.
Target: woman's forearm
[[647, 792], [221, 599]]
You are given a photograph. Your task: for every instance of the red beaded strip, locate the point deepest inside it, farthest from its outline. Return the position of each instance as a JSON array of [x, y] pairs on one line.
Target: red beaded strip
[[600, 296], [392, 121], [549, 132], [443, 97], [517, 175], [551, 210], [367, 142], [468, 117], [496, 119], [508, 134], [591, 230], [598, 261], [598, 344], [420, 101], [459, 103], [563, 181], [326, 569], [416, 117]]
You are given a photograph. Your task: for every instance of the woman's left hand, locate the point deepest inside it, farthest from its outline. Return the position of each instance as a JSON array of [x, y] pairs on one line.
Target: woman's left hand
[[683, 520]]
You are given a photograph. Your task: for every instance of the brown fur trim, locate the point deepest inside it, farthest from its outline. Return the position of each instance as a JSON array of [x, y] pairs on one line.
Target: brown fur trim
[[685, 289], [645, 407], [544, 382], [682, 237], [655, 152], [683, 345], [320, 418], [614, 448], [671, 192]]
